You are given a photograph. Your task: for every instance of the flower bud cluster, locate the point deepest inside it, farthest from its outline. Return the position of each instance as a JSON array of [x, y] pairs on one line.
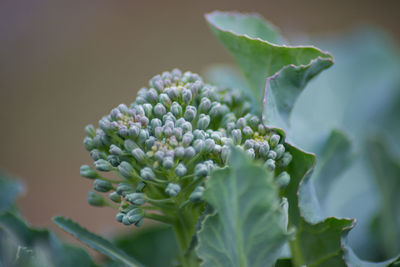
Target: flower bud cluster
[[166, 143]]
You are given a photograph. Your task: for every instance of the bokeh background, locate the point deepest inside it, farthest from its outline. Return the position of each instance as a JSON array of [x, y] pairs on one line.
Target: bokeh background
[[64, 64]]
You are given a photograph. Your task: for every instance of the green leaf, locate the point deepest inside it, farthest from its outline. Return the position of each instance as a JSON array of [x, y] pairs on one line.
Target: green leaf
[[253, 43], [247, 228], [142, 245], [335, 155], [94, 241], [387, 176], [10, 189], [45, 248]]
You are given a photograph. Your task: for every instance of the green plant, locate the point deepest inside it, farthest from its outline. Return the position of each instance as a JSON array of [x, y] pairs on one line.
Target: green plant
[[219, 164]]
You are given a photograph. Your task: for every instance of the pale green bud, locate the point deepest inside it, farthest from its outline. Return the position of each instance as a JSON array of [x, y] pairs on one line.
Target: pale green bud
[[201, 170], [190, 113], [119, 217], [197, 194], [165, 100], [88, 143], [237, 136], [155, 123], [129, 145], [271, 154], [248, 132], [173, 189], [143, 135], [189, 152], [264, 149], [139, 155], [285, 160], [198, 145], [168, 163], [241, 123], [179, 152], [186, 96], [95, 199], [115, 150], [159, 155], [88, 172], [159, 110], [152, 96], [283, 179], [136, 198], [96, 155], [115, 197], [274, 140], [176, 109], [186, 127], [134, 131], [251, 153], [203, 122], [205, 105], [270, 164], [147, 173], [102, 185], [279, 149], [180, 170], [90, 130], [261, 129], [123, 189], [102, 165], [148, 110], [125, 169]]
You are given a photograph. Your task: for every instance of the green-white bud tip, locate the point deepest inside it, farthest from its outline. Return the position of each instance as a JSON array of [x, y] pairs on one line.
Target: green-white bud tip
[[102, 165], [286, 159], [147, 173], [115, 197], [283, 179], [88, 172], [172, 189], [139, 155], [159, 110], [237, 136], [123, 189], [203, 122], [95, 199], [102, 185], [88, 143], [274, 140], [180, 170], [201, 170], [125, 169], [168, 162], [270, 164], [197, 194], [190, 113], [119, 217], [271, 154], [115, 150], [90, 130], [136, 198], [279, 149]]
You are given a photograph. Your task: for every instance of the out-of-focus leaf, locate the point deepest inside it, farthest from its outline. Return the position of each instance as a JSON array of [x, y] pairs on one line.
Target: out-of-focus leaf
[[10, 189], [254, 44], [44, 248], [247, 228], [226, 76], [284, 263], [154, 246], [96, 242], [387, 176], [333, 159]]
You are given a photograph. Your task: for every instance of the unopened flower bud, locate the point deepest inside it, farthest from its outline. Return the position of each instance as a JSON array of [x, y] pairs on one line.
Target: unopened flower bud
[[279, 149], [264, 149], [88, 172], [261, 129], [198, 145], [90, 130], [152, 96], [274, 140], [155, 123], [168, 163], [248, 132], [283, 179], [123, 189], [102, 165], [147, 173], [285, 160], [95, 199], [200, 170], [134, 131], [270, 164], [203, 122], [96, 155], [119, 217], [179, 152], [139, 155], [176, 109], [102, 185], [209, 145], [251, 153], [237, 136], [205, 105], [115, 197], [241, 123], [115, 150], [88, 143], [186, 96], [172, 189], [271, 154], [189, 152], [159, 110], [136, 198], [180, 170], [190, 113], [197, 194], [125, 169]]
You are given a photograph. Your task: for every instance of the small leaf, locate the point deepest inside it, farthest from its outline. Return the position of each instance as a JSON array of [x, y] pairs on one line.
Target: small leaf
[[247, 228], [94, 241], [386, 169], [10, 189], [334, 157], [253, 42], [151, 239], [47, 249]]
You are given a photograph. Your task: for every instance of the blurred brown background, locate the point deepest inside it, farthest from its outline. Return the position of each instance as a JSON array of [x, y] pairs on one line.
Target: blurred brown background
[[64, 64]]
